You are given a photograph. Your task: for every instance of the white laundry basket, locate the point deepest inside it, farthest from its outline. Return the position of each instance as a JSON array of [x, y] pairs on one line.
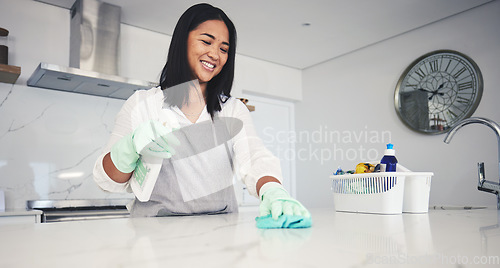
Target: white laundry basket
[[380, 192], [417, 190]]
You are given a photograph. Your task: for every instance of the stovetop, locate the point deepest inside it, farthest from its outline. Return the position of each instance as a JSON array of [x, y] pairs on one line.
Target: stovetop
[[80, 209]]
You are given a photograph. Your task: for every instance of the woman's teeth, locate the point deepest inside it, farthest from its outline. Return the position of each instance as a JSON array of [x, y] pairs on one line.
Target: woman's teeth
[[209, 65]]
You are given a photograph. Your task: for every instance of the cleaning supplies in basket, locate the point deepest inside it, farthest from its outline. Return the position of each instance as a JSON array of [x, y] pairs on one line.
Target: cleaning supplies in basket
[[360, 168], [366, 168], [389, 161]]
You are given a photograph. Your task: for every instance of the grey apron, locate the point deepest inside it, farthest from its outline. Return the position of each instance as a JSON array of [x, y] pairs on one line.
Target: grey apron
[[198, 179]]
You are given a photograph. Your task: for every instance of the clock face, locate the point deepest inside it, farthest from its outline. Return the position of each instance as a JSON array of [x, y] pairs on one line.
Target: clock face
[[437, 91]]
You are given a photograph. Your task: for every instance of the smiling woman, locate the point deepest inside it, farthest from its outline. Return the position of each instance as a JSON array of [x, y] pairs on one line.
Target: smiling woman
[[178, 147], [202, 28]]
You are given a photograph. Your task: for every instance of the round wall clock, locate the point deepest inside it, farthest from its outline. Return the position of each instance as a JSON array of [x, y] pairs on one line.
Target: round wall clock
[[438, 90]]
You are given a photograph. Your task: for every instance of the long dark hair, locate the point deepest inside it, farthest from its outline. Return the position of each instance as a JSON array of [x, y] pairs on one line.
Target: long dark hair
[[177, 70]]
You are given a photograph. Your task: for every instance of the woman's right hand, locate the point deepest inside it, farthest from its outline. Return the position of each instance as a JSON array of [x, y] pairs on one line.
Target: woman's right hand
[[150, 138]]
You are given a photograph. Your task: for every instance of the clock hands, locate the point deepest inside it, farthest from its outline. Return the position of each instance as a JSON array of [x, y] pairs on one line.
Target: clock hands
[[434, 92], [424, 90]]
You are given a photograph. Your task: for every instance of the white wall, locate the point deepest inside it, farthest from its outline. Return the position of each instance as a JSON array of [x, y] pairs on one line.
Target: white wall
[[46, 134], [353, 95]]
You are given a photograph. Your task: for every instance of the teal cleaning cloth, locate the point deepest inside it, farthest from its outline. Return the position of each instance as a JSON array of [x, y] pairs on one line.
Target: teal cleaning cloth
[[284, 221]]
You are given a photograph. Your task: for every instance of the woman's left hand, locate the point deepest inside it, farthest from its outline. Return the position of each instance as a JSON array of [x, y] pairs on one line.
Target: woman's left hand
[[276, 201]]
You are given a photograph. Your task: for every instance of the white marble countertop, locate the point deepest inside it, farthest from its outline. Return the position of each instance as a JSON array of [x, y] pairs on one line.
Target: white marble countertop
[[20, 212], [441, 238]]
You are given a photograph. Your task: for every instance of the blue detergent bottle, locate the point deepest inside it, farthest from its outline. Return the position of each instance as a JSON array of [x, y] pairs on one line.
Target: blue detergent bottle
[[389, 161]]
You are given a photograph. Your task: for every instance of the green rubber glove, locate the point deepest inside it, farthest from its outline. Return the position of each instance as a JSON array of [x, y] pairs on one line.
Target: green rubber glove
[[150, 138], [276, 201]]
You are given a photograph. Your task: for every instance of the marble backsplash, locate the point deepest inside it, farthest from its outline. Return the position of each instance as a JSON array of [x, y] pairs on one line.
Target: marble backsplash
[[49, 141]]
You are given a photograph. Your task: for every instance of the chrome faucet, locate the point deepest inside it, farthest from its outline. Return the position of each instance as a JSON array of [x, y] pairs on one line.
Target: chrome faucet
[[482, 184]]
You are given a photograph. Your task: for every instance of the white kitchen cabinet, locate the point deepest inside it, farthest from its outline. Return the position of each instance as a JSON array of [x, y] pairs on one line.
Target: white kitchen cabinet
[[265, 78]]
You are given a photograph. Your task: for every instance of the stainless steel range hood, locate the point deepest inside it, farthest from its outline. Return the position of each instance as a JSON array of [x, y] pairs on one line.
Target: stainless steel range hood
[[69, 79], [94, 55]]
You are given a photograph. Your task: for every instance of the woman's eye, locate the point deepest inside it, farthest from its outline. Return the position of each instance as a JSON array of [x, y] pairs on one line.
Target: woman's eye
[[224, 50], [205, 42]]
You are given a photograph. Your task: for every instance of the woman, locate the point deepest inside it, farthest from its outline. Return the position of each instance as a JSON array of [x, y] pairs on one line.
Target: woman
[[178, 146]]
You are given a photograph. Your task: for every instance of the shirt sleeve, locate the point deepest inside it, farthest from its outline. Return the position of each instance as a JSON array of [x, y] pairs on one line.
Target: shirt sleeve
[[251, 158], [123, 126]]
